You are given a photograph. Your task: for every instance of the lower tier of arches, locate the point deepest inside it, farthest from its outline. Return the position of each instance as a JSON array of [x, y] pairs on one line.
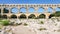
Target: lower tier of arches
[[24, 16]]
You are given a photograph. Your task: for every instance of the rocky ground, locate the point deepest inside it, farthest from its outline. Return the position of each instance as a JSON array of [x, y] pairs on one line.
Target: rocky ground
[[36, 26]]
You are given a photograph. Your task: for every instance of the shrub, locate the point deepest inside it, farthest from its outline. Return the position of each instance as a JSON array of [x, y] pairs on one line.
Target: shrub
[[4, 22], [42, 29], [25, 24], [41, 22]]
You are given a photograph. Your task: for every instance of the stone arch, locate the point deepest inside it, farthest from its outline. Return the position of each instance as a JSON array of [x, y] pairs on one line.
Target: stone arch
[[13, 16], [57, 9], [22, 16], [22, 10], [32, 16], [50, 9], [14, 10], [42, 16], [5, 10], [31, 9], [41, 10], [4, 16]]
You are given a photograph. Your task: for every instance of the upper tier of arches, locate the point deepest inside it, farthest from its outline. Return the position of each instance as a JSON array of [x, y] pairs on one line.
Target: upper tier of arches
[[31, 8]]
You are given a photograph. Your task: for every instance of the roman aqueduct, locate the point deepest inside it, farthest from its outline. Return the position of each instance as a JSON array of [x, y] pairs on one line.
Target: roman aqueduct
[[27, 6]]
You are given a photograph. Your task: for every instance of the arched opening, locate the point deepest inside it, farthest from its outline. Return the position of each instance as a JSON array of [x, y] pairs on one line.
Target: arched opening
[[42, 16], [57, 13], [41, 10], [57, 9], [5, 10], [51, 15], [22, 10], [32, 16], [13, 16], [50, 10], [31, 9], [22, 16], [14, 10], [0, 10], [4, 16]]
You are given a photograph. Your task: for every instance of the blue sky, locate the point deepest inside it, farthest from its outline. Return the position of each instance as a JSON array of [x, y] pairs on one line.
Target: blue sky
[[29, 1]]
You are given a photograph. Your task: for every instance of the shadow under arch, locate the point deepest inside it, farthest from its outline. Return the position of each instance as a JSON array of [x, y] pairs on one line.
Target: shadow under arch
[[51, 15], [22, 16], [13, 16], [4, 16], [0, 16], [0, 10], [42, 16], [5, 10], [32, 16]]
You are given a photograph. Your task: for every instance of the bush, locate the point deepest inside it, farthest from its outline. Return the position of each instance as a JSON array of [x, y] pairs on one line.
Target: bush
[[42, 29], [41, 22], [25, 24], [4, 22]]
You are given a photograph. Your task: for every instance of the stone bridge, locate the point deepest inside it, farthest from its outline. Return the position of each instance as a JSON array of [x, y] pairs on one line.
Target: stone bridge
[[27, 6]]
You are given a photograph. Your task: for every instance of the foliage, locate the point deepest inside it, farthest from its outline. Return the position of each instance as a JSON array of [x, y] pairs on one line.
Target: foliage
[[4, 22], [56, 14], [41, 22], [25, 24], [42, 29], [52, 15]]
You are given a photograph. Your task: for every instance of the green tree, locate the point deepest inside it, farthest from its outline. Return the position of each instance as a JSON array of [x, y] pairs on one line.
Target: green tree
[[57, 14]]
